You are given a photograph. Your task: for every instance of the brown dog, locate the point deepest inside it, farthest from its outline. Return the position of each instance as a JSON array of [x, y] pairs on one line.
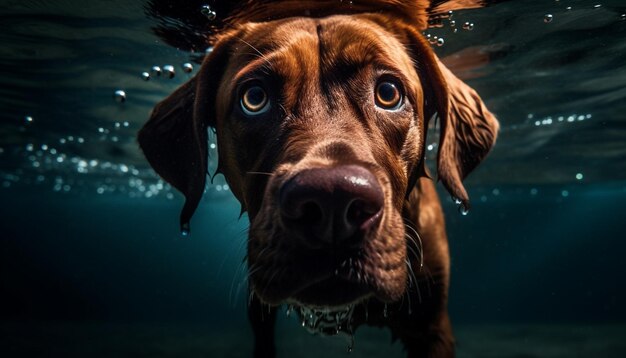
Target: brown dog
[[321, 118]]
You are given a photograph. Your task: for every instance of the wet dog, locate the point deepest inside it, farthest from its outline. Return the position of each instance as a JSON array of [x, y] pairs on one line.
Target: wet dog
[[321, 114]]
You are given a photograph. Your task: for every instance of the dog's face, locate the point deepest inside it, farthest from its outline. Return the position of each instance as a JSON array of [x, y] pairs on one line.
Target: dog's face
[[321, 130], [333, 109]]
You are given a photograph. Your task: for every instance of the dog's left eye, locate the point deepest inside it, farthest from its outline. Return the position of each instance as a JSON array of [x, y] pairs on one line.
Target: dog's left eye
[[388, 95], [254, 101]]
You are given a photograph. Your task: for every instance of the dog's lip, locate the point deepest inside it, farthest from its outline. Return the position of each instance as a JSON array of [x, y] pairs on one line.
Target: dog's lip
[[330, 292]]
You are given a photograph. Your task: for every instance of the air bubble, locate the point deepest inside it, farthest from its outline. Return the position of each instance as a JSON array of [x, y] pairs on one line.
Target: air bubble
[[120, 96], [184, 229], [565, 193], [187, 67], [463, 210], [579, 176], [168, 70], [208, 12], [156, 71], [440, 41], [547, 18], [469, 26], [28, 119], [145, 76]]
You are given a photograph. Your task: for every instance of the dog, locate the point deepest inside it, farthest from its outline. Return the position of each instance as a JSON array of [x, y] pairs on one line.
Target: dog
[[321, 113]]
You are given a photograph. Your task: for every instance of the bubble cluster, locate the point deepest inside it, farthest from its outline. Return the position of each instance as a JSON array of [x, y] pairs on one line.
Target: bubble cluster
[[550, 120]]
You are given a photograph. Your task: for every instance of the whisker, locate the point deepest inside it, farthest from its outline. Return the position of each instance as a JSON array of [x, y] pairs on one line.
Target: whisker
[[256, 50], [259, 173]]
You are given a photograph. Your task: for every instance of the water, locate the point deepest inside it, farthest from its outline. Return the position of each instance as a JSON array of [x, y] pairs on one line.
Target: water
[[92, 263]]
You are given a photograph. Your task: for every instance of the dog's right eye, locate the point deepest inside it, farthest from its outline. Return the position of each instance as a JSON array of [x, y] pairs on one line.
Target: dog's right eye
[[254, 101]]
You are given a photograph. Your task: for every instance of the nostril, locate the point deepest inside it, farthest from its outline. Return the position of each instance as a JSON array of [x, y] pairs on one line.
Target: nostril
[[360, 212], [309, 213]]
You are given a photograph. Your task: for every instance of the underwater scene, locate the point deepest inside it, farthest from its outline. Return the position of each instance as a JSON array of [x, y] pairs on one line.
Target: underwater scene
[[92, 259]]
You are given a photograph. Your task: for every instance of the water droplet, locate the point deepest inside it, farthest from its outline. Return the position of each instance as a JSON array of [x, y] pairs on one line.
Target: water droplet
[[579, 176], [184, 229], [469, 26], [351, 343], [209, 50], [169, 71], [565, 193], [187, 67], [452, 23], [568, 8], [463, 210], [547, 18], [433, 40], [622, 17], [208, 12], [145, 76], [156, 71], [120, 96], [440, 41], [28, 119], [597, 6]]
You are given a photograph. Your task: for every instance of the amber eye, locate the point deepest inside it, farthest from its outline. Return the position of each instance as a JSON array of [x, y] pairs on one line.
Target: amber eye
[[388, 95], [254, 101]]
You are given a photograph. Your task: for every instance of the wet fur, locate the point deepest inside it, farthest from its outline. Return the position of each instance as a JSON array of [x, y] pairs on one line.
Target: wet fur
[[325, 118]]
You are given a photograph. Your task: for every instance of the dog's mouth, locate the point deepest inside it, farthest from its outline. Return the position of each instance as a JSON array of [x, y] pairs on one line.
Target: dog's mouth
[[327, 321]]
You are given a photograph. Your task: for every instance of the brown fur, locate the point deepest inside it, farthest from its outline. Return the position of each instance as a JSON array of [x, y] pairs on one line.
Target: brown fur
[[320, 72]]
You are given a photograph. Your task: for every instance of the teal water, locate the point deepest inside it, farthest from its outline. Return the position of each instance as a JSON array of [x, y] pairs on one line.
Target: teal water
[[92, 263]]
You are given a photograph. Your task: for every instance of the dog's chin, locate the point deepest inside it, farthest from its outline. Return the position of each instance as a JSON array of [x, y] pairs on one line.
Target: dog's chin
[[331, 292]]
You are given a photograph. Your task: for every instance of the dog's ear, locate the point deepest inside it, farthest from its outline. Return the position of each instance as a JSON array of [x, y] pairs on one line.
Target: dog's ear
[[468, 129], [174, 140]]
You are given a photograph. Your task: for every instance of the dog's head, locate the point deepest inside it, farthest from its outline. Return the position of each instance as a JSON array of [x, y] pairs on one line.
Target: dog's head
[[321, 126]]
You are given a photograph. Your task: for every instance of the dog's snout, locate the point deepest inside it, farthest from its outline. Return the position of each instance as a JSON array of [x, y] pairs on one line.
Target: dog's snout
[[331, 206]]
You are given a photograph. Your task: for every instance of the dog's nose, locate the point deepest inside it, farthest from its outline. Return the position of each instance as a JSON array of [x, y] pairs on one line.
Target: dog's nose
[[331, 206]]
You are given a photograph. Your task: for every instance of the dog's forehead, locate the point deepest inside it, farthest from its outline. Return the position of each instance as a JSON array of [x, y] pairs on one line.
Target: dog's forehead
[[301, 44]]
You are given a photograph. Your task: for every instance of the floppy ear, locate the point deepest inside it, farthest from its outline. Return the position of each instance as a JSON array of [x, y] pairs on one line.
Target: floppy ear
[[174, 143], [468, 129], [467, 135], [174, 140]]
